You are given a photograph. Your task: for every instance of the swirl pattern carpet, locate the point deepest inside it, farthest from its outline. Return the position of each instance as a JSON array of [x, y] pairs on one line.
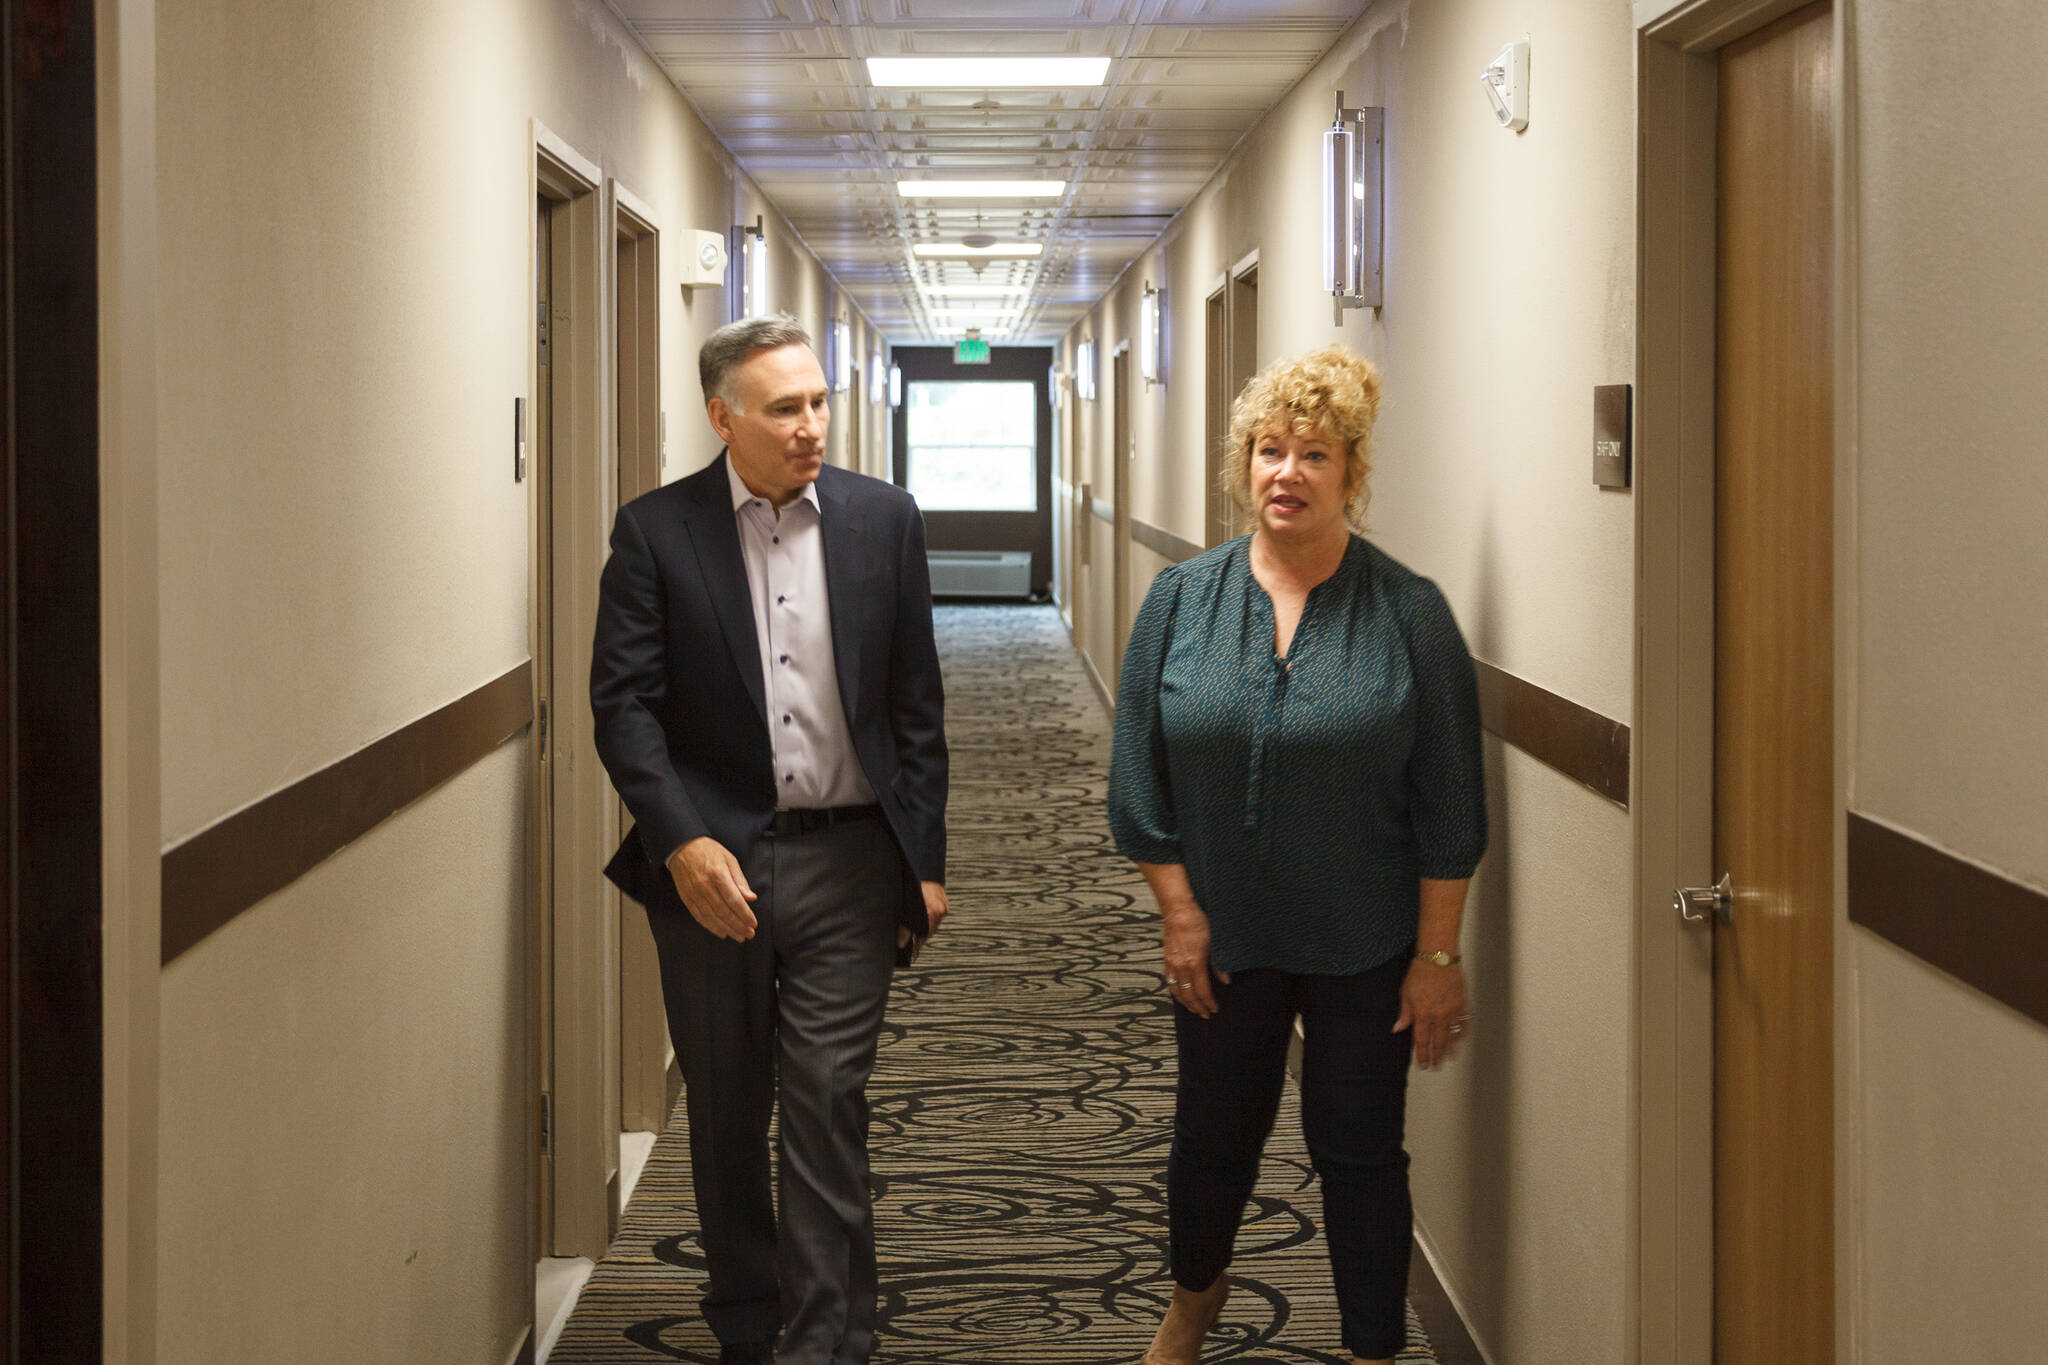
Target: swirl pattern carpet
[[1024, 1094]]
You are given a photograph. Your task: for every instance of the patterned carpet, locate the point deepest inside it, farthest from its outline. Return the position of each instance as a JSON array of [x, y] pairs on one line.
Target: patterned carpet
[[1023, 1099]]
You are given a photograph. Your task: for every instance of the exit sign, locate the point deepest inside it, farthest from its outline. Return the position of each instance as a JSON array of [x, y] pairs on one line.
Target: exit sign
[[972, 351]]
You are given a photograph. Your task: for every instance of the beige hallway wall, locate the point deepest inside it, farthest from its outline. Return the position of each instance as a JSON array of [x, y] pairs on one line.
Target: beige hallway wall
[[1945, 1177], [1510, 267], [344, 240]]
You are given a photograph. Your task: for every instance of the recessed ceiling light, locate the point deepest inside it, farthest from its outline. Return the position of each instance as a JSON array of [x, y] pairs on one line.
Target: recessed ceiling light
[[987, 73], [981, 189], [954, 251]]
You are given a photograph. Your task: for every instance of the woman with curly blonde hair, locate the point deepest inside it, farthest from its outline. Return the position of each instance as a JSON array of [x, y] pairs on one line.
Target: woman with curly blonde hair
[[1297, 774]]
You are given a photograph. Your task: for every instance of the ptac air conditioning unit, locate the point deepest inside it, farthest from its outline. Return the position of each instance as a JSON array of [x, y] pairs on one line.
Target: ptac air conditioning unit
[[980, 573]]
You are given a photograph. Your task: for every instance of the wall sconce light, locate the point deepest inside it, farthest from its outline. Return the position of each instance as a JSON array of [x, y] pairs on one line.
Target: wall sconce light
[[878, 379], [842, 355], [750, 263], [1150, 307], [1354, 180], [1052, 384], [895, 386], [1506, 79], [1084, 370]]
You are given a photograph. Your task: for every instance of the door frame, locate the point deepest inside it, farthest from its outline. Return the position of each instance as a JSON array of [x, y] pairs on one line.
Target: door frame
[[585, 1022], [1670, 1197], [1031, 531], [645, 1056], [1230, 331]]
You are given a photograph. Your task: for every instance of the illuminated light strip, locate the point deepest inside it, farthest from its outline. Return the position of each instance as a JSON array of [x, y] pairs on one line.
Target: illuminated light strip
[[952, 251], [981, 189], [978, 73]]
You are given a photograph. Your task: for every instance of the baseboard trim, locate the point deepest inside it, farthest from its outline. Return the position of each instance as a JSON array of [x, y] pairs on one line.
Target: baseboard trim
[[1438, 1308], [522, 1354], [1095, 680]]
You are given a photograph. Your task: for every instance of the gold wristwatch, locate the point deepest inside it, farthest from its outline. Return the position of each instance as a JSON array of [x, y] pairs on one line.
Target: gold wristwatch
[[1440, 958]]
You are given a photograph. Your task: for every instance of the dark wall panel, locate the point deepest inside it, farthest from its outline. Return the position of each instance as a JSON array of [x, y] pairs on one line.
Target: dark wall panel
[[52, 860]]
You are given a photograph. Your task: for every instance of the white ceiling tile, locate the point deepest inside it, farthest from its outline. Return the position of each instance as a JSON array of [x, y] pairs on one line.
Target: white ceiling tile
[[1302, 44], [698, 45], [1246, 12]]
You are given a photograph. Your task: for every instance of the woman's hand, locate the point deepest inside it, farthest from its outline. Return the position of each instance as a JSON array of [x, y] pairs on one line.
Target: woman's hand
[[1433, 1004], [1186, 929], [1187, 959]]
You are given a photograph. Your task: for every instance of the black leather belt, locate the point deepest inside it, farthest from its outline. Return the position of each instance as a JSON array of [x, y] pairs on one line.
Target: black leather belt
[[787, 822]]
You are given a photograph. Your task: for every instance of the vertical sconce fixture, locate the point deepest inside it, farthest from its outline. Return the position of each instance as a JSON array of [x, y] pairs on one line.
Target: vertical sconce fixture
[[895, 386], [878, 379], [1149, 309], [750, 264], [1052, 385], [1354, 177], [1084, 370], [842, 355]]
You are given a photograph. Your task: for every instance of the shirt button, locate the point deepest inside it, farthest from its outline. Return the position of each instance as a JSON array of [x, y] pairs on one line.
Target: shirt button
[[780, 600], [789, 777], [784, 659], [785, 720], [775, 540]]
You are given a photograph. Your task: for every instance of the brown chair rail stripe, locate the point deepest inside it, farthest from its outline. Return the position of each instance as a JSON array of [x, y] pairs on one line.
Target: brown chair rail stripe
[[1985, 930], [225, 869], [1580, 743], [1163, 542]]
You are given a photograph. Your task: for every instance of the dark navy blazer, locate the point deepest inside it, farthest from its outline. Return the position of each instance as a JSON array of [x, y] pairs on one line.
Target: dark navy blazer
[[676, 687]]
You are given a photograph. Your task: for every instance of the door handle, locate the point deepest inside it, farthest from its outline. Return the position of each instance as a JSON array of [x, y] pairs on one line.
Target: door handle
[[1696, 903]]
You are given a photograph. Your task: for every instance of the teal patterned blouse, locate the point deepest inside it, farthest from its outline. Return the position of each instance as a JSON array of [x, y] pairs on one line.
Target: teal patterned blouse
[[1307, 797]]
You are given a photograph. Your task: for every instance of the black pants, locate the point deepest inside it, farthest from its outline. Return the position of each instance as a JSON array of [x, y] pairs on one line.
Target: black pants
[[1354, 1089]]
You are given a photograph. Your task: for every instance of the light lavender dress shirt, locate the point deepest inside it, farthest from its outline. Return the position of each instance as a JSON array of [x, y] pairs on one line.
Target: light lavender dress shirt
[[815, 765]]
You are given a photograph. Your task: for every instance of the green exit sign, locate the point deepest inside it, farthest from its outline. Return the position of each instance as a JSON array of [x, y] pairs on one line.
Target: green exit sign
[[972, 351]]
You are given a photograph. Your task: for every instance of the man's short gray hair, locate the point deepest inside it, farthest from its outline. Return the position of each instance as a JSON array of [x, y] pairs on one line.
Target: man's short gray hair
[[728, 347]]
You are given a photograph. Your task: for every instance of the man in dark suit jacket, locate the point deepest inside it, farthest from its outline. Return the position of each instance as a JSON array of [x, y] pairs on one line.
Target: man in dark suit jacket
[[768, 705]]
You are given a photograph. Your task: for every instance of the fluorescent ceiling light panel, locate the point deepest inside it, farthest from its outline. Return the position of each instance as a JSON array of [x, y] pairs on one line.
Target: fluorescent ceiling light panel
[[986, 73], [981, 189], [972, 291], [954, 251]]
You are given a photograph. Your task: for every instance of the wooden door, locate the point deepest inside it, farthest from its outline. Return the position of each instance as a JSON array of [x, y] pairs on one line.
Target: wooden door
[[643, 1044], [1120, 493], [1217, 399], [1081, 517], [541, 587], [1774, 699]]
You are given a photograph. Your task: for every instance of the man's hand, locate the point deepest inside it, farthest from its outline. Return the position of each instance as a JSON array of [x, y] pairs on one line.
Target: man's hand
[[935, 908], [713, 888]]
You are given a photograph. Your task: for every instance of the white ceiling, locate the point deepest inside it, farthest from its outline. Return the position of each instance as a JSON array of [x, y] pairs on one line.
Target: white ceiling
[[782, 83]]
